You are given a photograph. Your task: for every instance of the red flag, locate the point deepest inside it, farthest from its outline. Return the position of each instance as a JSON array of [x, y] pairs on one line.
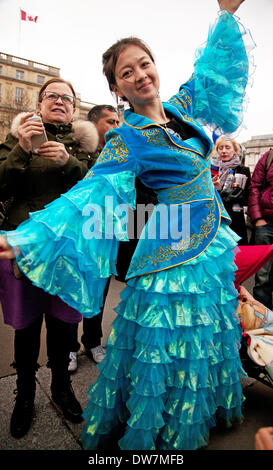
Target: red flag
[[27, 17]]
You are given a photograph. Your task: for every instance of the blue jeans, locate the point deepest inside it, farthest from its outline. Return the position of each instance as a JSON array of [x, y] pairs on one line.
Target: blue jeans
[[263, 288]]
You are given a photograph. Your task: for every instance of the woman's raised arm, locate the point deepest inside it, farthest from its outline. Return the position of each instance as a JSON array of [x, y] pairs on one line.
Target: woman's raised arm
[[230, 5]]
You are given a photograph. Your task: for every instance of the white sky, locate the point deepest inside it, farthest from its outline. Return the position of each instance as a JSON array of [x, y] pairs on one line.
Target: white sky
[[73, 34]]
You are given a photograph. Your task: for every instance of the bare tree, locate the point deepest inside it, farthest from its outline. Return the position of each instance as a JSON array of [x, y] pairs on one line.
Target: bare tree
[[11, 105]]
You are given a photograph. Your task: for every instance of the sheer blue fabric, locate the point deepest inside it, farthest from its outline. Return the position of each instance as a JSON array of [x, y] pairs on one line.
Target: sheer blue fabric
[[172, 369], [65, 248]]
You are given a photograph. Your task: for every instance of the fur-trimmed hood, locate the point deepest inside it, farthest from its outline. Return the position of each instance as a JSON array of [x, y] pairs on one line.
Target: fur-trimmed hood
[[84, 132]]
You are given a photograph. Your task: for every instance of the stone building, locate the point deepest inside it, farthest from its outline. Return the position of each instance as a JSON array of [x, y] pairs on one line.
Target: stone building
[[255, 148], [20, 81]]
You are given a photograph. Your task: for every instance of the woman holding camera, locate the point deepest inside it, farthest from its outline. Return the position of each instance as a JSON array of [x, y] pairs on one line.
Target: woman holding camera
[[33, 180], [235, 194]]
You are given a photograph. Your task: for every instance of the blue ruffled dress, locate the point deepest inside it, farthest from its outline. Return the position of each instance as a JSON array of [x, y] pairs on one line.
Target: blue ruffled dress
[[172, 366]]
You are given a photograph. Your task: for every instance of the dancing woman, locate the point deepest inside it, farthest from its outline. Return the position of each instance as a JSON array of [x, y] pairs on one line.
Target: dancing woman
[[172, 368]]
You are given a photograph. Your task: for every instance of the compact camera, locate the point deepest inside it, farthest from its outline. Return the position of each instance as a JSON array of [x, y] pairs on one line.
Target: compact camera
[[37, 140]]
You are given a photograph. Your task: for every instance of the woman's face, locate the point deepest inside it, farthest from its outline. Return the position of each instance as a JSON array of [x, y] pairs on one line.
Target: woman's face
[[136, 77], [56, 111], [226, 150]]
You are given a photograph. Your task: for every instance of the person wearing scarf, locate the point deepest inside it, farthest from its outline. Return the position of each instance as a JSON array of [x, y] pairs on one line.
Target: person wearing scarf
[[236, 196]]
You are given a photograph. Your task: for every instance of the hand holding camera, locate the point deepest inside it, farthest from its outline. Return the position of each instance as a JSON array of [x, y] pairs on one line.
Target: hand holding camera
[[32, 137], [31, 132], [54, 151]]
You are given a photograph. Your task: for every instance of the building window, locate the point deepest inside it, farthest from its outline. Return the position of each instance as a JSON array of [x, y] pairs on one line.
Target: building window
[[19, 75], [1, 68], [19, 96], [40, 79]]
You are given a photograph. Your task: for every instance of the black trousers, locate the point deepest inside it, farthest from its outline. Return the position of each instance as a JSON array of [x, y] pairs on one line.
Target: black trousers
[[92, 328], [27, 347], [263, 288]]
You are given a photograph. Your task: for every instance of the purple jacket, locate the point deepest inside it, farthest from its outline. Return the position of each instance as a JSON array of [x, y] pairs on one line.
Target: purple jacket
[[260, 202]]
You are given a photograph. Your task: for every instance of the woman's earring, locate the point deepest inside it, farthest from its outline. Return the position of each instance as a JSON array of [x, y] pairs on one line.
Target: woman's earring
[[120, 109]]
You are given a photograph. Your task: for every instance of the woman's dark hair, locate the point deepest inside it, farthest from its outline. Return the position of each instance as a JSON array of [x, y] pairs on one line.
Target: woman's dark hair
[[55, 80], [110, 57]]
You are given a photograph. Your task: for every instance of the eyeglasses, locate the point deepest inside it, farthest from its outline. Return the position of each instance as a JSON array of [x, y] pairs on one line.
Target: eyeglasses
[[51, 96]]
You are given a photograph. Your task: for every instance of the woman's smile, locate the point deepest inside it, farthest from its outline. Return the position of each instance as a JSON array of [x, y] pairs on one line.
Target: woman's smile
[[145, 86]]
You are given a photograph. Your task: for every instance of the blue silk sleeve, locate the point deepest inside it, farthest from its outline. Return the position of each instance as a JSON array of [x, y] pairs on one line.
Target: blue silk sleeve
[[215, 94], [69, 248]]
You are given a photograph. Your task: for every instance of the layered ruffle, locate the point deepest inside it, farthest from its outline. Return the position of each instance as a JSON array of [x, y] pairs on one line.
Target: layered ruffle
[[223, 68], [172, 367], [75, 259]]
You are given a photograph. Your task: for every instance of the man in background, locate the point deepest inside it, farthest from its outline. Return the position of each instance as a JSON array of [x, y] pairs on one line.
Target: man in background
[[104, 117]]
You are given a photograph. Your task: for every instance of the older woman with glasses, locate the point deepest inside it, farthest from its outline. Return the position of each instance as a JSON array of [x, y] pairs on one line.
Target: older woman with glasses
[[33, 174]]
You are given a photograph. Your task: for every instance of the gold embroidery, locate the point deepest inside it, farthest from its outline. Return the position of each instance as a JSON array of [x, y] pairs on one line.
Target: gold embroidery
[[202, 188], [158, 138], [90, 174], [117, 151], [184, 99], [181, 99], [166, 253], [175, 101]]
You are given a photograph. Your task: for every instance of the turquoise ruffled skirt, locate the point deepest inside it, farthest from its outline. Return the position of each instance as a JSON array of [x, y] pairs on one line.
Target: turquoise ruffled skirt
[[172, 367]]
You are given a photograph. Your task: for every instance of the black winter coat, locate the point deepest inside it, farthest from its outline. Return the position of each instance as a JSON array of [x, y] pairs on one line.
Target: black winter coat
[[238, 196]]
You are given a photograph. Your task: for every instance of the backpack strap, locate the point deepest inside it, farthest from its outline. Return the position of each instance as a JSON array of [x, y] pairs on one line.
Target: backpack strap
[[269, 159]]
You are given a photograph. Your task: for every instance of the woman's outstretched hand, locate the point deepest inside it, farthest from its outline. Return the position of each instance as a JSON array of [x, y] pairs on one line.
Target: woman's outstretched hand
[[6, 252], [230, 5]]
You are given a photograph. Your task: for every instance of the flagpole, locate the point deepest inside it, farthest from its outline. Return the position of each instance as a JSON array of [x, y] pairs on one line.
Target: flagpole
[[19, 38]]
